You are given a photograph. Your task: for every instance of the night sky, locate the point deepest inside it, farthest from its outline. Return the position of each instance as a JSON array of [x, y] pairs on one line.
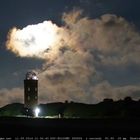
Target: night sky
[[112, 79]]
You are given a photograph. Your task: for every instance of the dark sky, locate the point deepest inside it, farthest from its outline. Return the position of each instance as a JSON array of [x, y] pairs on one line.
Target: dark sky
[[21, 13]]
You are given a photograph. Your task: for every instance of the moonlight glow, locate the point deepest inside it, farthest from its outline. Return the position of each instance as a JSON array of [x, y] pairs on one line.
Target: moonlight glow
[[33, 40]]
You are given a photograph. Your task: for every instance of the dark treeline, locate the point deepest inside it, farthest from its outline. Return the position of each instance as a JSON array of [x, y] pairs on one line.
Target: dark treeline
[[108, 108]]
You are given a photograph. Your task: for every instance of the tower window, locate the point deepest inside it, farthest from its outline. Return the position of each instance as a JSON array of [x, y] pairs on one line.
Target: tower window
[[28, 98], [28, 89], [35, 89]]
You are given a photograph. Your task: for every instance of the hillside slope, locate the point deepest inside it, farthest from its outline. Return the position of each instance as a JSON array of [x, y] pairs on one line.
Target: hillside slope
[[106, 109]]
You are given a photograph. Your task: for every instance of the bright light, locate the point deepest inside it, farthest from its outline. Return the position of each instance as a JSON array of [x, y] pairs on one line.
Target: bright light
[[37, 111], [31, 76], [34, 40]]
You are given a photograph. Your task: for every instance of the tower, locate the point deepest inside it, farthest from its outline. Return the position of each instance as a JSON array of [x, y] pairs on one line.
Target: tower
[[30, 90]]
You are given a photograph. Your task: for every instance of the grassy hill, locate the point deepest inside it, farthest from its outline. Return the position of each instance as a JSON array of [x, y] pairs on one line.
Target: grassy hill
[[11, 109], [106, 109]]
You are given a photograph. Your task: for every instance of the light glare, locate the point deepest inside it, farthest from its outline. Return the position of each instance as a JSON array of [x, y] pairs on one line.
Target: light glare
[[37, 111]]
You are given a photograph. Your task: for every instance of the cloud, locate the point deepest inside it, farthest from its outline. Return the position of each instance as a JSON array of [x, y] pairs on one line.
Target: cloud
[[11, 96], [34, 40], [105, 90], [73, 52], [111, 39]]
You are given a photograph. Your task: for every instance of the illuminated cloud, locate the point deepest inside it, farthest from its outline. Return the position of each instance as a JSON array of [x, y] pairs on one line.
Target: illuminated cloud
[[110, 39], [34, 40]]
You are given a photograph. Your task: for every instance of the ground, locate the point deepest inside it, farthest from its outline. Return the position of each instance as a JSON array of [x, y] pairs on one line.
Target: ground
[[41, 127]]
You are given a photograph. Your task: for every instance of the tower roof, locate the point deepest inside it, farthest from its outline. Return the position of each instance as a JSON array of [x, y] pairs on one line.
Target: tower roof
[[31, 76]]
